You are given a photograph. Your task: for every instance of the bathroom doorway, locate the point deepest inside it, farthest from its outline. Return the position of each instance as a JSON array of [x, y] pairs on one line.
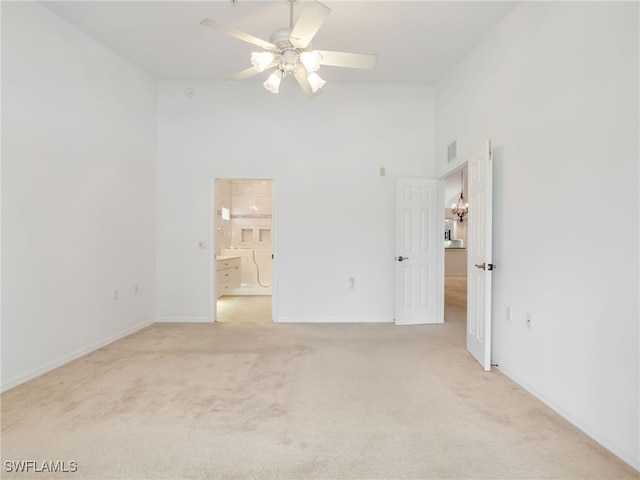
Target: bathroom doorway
[[455, 245], [243, 234]]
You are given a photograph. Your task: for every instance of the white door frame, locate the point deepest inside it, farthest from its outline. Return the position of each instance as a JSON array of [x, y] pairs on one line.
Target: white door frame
[[213, 217]]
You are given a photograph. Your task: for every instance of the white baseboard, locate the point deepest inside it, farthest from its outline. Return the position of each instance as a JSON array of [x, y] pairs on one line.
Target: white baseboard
[[333, 320], [626, 457], [47, 367], [183, 319]]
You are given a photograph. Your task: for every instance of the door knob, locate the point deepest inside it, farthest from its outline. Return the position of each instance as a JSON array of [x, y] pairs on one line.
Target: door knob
[[400, 259], [489, 266]]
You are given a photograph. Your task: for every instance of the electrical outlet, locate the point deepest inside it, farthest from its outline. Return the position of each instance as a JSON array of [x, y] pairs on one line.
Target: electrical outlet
[[115, 295], [529, 320], [136, 289], [508, 313], [352, 283]]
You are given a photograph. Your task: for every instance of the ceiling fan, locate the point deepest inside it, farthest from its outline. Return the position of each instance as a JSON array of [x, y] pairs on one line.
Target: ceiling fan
[[289, 51]]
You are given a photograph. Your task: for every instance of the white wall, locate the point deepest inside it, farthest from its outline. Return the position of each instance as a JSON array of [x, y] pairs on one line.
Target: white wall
[[333, 212], [78, 146], [556, 87]]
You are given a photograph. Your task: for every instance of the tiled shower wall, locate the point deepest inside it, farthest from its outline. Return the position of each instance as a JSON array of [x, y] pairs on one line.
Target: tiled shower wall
[[249, 203], [251, 224], [223, 200]]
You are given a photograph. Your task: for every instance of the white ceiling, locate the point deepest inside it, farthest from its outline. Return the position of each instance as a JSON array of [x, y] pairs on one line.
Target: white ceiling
[[416, 41]]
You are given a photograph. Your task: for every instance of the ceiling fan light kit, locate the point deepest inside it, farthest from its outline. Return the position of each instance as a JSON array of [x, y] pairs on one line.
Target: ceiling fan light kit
[[315, 81], [273, 82], [311, 60], [289, 51], [262, 60]]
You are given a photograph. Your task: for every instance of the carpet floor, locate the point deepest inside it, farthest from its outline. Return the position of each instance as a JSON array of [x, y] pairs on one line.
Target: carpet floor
[[257, 400]]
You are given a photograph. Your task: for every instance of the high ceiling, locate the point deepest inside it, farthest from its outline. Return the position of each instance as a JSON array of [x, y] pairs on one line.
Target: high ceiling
[[416, 41]]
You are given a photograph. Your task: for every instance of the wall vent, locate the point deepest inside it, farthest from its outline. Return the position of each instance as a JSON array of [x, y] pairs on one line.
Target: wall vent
[[451, 151]]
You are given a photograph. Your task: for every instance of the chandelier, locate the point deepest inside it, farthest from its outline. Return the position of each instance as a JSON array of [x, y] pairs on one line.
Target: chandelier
[[461, 208]]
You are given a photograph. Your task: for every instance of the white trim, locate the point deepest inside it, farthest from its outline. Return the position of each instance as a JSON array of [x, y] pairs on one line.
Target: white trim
[[213, 241], [183, 320], [49, 366], [626, 457], [274, 246], [334, 320]]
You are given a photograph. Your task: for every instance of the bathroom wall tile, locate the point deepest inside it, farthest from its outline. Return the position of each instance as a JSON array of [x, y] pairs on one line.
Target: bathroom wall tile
[[238, 198], [223, 233], [260, 187], [252, 198]]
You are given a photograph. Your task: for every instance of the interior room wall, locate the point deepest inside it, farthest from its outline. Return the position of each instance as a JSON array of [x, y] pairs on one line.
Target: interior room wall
[[333, 213], [78, 147], [455, 259], [555, 86]]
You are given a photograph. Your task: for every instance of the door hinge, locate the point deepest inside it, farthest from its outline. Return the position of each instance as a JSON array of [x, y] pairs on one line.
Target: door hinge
[[490, 150]]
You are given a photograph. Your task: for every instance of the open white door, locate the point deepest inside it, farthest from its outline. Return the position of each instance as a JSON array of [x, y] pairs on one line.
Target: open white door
[[419, 252], [479, 255]]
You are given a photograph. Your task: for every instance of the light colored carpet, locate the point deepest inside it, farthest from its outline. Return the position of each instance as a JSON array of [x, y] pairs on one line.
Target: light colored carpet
[[242, 400]]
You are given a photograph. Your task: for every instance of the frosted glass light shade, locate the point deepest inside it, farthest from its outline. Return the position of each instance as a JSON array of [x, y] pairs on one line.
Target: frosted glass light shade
[[315, 81], [311, 60], [273, 82], [261, 60]]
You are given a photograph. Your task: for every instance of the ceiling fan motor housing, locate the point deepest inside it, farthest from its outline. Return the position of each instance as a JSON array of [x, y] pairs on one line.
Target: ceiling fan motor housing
[[280, 38], [290, 54]]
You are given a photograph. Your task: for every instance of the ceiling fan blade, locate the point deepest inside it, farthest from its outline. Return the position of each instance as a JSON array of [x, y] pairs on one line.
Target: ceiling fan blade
[[311, 19], [238, 34], [249, 72], [346, 59], [301, 77]]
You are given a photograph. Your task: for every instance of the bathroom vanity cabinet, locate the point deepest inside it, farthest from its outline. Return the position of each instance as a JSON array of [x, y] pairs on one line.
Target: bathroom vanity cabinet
[[227, 274]]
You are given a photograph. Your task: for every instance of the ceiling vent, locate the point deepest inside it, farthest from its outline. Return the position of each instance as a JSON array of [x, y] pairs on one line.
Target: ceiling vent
[[451, 151]]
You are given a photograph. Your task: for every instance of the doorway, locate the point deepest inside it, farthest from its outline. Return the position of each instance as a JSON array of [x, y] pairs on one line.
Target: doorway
[[455, 245], [243, 233]]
